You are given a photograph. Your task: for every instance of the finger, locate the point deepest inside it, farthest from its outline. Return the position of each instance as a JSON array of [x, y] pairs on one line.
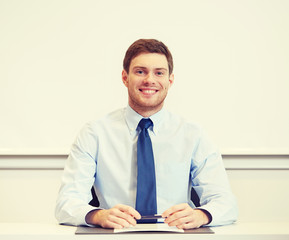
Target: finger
[[126, 213], [174, 209], [128, 218], [176, 216], [113, 225], [193, 220], [189, 225], [107, 219], [186, 210], [180, 220], [115, 212], [186, 223], [129, 210], [117, 222]]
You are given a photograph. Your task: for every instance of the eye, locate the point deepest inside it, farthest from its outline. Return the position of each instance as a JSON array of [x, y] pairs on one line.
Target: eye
[[139, 72], [159, 73]]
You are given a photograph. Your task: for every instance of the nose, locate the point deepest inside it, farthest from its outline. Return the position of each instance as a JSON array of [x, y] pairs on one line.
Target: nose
[[149, 79]]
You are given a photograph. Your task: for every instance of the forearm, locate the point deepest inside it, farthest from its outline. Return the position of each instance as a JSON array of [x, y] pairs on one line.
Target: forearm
[[212, 186], [72, 211], [223, 210], [75, 192]]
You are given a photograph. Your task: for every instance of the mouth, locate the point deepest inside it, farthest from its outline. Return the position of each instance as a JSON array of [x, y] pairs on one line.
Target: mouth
[[148, 91]]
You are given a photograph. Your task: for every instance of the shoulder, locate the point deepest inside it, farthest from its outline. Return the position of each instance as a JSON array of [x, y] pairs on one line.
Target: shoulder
[[93, 131], [109, 118], [181, 123], [194, 134], [107, 121], [190, 134]]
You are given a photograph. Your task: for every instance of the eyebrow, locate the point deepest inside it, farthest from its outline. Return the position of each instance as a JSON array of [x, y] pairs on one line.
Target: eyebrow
[[162, 69], [135, 67]]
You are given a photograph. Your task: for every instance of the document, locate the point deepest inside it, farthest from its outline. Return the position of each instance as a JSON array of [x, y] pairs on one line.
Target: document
[[147, 227]]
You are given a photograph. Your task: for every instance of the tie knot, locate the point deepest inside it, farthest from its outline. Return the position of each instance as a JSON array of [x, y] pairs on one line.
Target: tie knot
[[145, 123]]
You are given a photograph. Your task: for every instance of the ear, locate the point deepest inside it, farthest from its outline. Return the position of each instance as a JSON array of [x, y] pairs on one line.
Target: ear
[[171, 79], [124, 76]]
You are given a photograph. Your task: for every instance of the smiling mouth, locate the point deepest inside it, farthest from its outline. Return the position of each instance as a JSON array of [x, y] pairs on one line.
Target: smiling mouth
[[148, 91]]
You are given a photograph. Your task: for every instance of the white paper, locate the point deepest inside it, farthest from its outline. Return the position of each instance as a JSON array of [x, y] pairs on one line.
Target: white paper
[[153, 227]]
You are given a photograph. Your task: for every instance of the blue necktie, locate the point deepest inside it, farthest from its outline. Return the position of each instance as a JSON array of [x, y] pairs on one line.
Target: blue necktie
[[146, 202]]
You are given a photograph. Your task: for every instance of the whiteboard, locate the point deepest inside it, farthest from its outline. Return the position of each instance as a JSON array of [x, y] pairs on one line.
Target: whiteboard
[[61, 63]]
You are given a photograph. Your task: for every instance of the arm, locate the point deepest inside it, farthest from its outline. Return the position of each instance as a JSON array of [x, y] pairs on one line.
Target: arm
[[72, 205], [208, 176], [78, 177], [211, 183]]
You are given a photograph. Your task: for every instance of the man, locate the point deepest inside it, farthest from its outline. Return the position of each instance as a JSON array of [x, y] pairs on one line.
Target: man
[[105, 156]]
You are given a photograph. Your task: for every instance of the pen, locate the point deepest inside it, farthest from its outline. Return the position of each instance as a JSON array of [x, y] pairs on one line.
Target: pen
[[149, 217]]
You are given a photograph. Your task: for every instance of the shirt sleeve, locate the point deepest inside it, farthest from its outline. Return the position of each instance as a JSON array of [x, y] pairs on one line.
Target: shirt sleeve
[[74, 195], [210, 181]]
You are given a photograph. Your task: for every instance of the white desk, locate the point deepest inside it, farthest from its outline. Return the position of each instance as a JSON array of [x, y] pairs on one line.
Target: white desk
[[239, 231]]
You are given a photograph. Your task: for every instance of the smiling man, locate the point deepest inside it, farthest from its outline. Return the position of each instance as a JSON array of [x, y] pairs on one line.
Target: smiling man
[[144, 160], [148, 80]]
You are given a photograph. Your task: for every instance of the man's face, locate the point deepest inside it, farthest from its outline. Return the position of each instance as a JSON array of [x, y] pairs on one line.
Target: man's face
[[148, 82]]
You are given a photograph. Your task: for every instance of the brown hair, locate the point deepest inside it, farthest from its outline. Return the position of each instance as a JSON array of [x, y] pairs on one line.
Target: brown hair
[[147, 46]]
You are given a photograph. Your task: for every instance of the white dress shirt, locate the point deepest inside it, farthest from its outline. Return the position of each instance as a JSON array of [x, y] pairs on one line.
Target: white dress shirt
[[104, 155]]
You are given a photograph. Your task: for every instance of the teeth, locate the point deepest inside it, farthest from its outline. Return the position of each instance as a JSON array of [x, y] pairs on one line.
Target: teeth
[[148, 91]]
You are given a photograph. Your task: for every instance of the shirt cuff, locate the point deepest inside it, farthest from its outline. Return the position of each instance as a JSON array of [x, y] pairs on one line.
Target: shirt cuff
[[208, 214], [81, 215], [88, 224]]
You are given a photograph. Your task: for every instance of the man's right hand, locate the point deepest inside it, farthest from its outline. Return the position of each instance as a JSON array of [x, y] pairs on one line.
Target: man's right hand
[[119, 216]]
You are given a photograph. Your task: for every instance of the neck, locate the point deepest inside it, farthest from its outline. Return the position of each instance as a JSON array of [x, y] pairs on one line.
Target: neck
[[146, 111]]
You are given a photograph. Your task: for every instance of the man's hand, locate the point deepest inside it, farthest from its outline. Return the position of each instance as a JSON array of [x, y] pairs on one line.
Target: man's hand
[[117, 217], [184, 217]]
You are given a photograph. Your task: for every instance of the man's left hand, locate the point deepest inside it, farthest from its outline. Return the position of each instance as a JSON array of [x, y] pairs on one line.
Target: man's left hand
[[184, 217]]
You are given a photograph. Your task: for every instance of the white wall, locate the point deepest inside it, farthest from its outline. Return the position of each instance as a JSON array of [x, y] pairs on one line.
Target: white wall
[[61, 65]]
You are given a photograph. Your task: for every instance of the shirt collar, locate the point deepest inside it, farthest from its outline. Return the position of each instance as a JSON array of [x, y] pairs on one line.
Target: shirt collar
[[133, 118]]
